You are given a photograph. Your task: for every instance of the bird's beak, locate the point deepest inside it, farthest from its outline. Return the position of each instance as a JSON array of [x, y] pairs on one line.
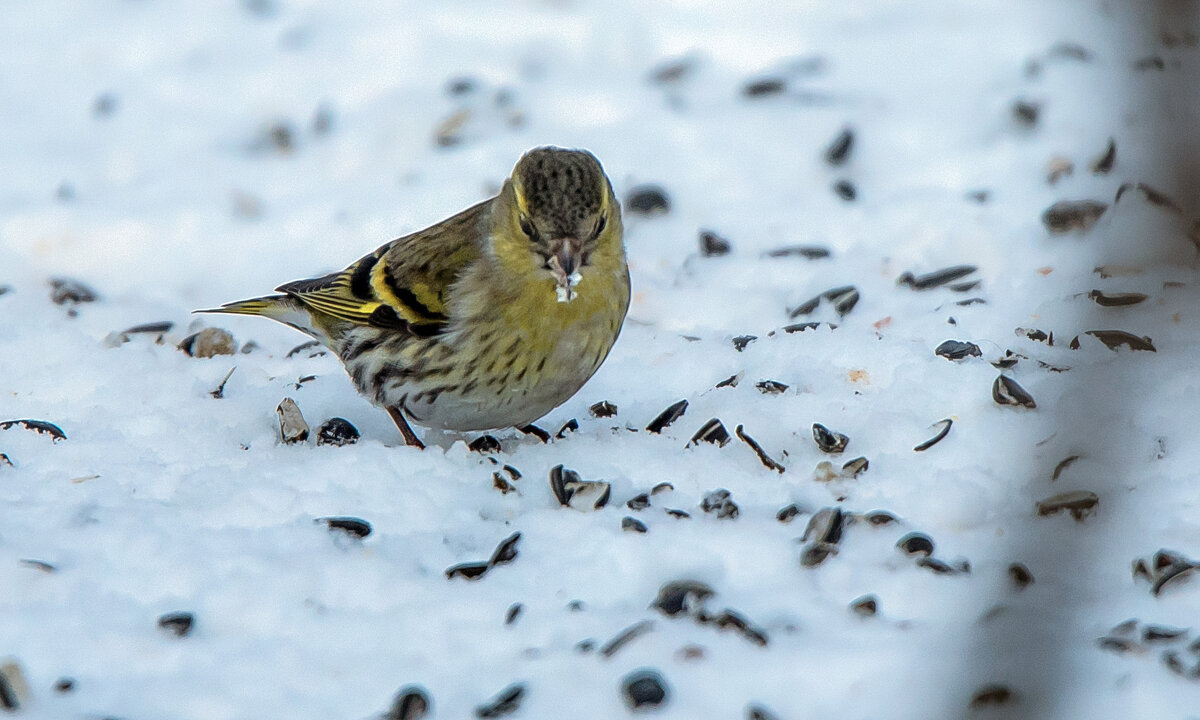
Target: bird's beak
[[564, 265]]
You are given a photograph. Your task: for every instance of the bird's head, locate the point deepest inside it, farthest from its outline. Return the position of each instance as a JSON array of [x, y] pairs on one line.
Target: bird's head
[[558, 209]]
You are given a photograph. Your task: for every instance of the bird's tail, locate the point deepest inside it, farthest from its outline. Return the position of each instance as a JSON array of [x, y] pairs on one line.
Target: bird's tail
[[272, 306], [280, 308]]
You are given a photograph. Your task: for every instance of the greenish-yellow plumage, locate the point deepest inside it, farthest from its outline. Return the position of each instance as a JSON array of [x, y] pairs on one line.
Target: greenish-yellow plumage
[[488, 319]]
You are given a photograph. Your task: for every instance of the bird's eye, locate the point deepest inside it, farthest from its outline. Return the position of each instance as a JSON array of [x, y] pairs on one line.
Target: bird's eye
[[528, 228], [600, 225]]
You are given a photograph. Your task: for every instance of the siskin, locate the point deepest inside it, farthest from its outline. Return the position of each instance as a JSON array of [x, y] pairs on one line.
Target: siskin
[[488, 319]]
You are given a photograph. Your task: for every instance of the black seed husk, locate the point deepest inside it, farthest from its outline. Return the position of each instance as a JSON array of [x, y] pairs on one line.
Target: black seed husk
[[867, 606], [506, 702], [1020, 575], [603, 409], [668, 416], [178, 624], [569, 426], [808, 252], [957, 350], [355, 527], [1103, 164], [411, 703], [828, 440], [713, 245], [469, 570], [644, 689], [1067, 215], [648, 200], [41, 427], [839, 150], [626, 636], [1006, 391], [937, 278], [337, 431], [941, 434], [845, 190], [711, 432], [682, 596], [741, 341], [758, 450], [484, 444], [506, 551], [915, 543]]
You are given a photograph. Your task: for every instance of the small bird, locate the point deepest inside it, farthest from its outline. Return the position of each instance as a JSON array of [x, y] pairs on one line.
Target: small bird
[[488, 319]]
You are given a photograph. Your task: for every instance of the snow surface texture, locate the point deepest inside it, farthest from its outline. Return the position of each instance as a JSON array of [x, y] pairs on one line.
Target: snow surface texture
[[176, 155]]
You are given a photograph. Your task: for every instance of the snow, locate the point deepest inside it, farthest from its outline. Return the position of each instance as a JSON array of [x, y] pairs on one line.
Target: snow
[[165, 499]]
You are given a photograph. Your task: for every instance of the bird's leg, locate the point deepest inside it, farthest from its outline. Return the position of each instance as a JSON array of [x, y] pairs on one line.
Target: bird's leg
[[410, 438]]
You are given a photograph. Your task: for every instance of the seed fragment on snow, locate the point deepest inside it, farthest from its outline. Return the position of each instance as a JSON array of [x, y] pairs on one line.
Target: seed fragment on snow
[[632, 524], [411, 703], [603, 409], [640, 501], [626, 636], [741, 341], [568, 427], [713, 245], [351, 526], [535, 431], [178, 624], [1020, 576], [845, 190], [305, 347], [644, 689], [866, 606], [829, 441], [808, 252], [41, 427], [787, 513], [504, 553], [1104, 299], [711, 432], [668, 416], [484, 444], [338, 432], [1062, 466], [506, 702], [1104, 164], [648, 200], [292, 427], [14, 690], [763, 457], [720, 503], [764, 87], [682, 597], [68, 291], [1079, 503], [1069, 215], [513, 612], [838, 151], [992, 695], [941, 434], [934, 279], [1006, 391], [916, 544], [219, 391], [771, 387], [758, 712], [957, 350], [573, 491], [1114, 339]]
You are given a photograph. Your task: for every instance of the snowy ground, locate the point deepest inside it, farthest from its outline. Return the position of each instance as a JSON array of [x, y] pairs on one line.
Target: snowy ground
[[138, 154]]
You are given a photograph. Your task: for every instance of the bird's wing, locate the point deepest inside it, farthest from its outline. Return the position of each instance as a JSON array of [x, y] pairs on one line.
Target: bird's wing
[[403, 284]]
